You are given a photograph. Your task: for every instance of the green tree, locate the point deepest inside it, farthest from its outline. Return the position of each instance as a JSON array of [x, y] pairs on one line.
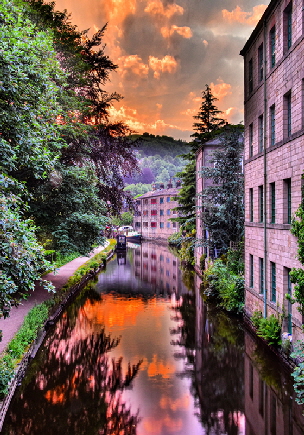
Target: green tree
[[222, 210]]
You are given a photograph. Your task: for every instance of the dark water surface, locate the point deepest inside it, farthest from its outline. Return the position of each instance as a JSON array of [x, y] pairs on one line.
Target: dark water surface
[[139, 353]]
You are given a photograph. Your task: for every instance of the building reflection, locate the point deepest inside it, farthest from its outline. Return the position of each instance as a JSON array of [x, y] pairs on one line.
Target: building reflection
[[241, 386], [155, 264]]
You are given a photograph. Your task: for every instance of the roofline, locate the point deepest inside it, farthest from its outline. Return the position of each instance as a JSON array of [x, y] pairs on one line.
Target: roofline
[[259, 26]]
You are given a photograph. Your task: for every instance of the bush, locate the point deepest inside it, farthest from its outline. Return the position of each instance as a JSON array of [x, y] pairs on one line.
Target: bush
[[224, 287], [268, 328], [298, 373]]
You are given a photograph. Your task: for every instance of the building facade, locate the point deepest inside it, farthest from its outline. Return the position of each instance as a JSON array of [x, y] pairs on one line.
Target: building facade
[[203, 159], [274, 158], [154, 211]]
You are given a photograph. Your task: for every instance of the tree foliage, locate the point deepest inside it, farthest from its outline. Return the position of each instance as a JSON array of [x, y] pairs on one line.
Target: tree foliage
[[222, 209], [63, 163]]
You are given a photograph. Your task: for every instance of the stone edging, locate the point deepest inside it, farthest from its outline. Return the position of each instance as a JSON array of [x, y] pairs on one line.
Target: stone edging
[[31, 353]]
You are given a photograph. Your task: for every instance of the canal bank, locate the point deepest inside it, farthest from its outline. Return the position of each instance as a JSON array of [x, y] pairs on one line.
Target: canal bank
[[29, 337], [142, 351]]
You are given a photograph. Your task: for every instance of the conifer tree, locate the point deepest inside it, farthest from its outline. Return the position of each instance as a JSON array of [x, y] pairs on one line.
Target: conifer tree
[[208, 123]]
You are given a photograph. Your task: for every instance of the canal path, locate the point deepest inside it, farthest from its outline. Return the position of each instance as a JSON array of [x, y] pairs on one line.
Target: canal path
[[138, 352], [58, 278]]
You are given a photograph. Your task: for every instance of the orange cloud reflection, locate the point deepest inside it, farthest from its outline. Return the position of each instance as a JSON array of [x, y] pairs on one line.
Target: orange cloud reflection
[[180, 403], [160, 368], [156, 426]]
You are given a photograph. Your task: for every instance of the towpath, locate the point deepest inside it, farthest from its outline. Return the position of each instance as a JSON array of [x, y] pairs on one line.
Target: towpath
[[11, 324]]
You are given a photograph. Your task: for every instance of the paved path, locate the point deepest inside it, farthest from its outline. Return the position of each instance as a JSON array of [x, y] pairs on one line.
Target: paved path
[[11, 324]]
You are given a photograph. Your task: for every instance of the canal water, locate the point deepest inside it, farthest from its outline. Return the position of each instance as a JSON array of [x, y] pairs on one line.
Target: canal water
[[138, 352]]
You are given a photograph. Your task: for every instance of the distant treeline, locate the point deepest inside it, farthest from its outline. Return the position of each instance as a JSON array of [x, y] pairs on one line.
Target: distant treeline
[[159, 160]]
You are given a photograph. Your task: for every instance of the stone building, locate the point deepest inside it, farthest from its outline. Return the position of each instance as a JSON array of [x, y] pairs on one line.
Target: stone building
[[154, 211], [203, 159], [274, 157]]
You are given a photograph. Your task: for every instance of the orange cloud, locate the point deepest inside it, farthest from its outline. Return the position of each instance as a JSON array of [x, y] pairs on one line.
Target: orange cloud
[[221, 89], [166, 64], [240, 16], [134, 64], [186, 32], [118, 9], [157, 8]]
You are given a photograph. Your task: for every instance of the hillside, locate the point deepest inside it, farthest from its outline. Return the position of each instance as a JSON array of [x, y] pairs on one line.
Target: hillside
[[159, 160]]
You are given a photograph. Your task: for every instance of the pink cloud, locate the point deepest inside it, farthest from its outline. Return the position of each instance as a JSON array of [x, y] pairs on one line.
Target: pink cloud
[[221, 89], [165, 65]]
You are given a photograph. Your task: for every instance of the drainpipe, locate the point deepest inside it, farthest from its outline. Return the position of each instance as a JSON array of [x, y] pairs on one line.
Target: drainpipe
[[265, 172]]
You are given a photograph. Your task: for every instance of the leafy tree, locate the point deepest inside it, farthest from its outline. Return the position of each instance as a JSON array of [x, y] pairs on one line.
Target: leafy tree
[[222, 209]]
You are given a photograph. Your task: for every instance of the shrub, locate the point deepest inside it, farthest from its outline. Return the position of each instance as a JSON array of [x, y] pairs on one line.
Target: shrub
[[224, 287], [298, 373], [268, 328]]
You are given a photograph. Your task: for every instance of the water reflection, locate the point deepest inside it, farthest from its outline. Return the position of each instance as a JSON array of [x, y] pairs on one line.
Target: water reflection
[[140, 354]]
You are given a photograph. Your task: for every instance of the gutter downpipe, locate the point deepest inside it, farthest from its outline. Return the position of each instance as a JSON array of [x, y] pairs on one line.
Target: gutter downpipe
[[265, 173]]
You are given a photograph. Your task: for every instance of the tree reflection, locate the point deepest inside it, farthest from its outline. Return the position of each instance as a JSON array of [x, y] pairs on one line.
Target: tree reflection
[[74, 387], [214, 352]]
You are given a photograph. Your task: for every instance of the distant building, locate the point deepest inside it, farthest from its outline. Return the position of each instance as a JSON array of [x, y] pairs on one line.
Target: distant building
[[274, 158], [154, 211]]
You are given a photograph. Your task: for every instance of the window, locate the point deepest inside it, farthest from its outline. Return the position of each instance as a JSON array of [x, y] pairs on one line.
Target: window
[[153, 212], [168, 224], [250, 379], [250, 140], [161, 200], [153, 201], [145, 224], [287, 115], [174, 224], [261, 261], [145, 213], [261, 203], [153, 224], [272, 125], [250, 76], [261, 397], [161, 257], [261, 133], [168, 198], [288, 290], [287, 27], [272, 44], [145, 201], [137, 224], [174, 211], [138, 201], [273, 282], [168, 212], [250, 270], [161, 212], [161, 225], [272, 203], [251, 205], [287, 201], [261, 62]]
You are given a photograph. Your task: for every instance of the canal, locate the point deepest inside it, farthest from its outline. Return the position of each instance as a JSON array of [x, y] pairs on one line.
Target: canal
[[138, 352]]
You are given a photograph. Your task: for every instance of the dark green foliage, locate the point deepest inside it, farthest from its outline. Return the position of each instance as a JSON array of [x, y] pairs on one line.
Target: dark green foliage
[[298, 373], [297, 274], [269, 328], [223, 287], [207, 117], [222, 209]]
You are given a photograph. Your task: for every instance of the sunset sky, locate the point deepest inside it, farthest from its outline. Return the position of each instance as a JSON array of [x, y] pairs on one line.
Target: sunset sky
[[167, 51]]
